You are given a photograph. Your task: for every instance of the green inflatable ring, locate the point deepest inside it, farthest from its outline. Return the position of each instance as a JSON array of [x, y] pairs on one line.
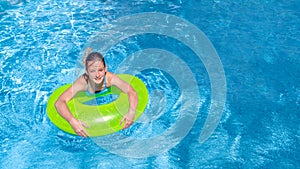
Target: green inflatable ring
[[102, 119]]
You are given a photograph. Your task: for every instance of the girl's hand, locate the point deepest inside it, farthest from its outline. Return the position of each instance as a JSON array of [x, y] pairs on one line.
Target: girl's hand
[[127, 120], [77, 126]]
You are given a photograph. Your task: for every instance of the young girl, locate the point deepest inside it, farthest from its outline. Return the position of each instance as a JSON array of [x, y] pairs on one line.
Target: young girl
[[95, 79]]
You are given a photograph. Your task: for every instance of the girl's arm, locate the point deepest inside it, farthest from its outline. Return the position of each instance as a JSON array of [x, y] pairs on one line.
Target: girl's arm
[[63, 110], [132, 96]]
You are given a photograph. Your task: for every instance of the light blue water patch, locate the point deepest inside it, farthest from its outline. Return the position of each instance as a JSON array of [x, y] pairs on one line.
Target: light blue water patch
[[41, 44]]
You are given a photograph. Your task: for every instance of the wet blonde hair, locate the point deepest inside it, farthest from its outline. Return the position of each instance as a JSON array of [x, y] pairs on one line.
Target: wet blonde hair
[[92, 57]]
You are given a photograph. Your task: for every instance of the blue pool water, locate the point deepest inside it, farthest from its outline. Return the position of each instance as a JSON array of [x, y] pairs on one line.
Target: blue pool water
[[257, 43]]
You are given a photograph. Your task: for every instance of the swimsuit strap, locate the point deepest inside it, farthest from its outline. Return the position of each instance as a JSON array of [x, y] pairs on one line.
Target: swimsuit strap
[[104, 84]]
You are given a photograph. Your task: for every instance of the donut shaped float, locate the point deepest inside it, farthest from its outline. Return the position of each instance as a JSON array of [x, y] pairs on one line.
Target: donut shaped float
[[102, 118]]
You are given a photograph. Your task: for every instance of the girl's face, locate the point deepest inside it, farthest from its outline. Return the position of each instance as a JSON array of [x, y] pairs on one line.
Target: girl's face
[[96, 71]]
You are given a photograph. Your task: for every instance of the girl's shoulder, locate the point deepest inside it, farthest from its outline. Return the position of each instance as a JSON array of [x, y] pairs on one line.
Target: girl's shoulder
[[109, 76], [83, 79], [81, 82]]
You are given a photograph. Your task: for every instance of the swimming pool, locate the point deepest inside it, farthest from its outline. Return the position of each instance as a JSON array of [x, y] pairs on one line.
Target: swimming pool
[[257, 43]]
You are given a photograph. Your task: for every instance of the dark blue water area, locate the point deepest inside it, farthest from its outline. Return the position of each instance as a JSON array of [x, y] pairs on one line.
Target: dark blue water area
[[258, 49], [258, 45]]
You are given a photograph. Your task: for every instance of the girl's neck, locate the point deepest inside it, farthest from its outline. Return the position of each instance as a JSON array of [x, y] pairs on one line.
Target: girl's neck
[[96, 86]]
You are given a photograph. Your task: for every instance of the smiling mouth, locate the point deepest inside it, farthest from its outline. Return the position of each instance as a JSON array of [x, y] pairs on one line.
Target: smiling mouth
[[98, 78]]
